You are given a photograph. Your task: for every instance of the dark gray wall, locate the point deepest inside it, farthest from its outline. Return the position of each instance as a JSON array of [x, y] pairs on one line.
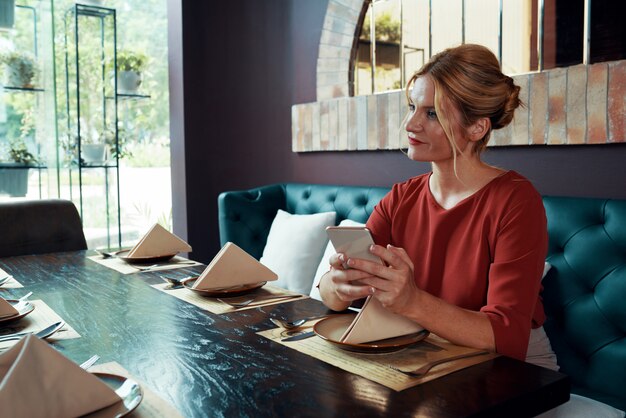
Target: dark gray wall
[[245, 62]]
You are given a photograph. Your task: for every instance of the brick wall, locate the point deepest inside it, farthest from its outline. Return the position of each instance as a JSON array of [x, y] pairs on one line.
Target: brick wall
[[582, 104]]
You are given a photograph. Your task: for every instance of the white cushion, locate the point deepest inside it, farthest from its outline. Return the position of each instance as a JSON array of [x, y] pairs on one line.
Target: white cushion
[[581, 407], [294, 247], [546, 268], [324, 266]]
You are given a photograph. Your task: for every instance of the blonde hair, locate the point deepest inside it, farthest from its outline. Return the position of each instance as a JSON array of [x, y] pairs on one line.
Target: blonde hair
[[469, 78]]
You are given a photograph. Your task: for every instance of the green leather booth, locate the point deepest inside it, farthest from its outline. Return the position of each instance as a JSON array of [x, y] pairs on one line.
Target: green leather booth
[[584, 292]]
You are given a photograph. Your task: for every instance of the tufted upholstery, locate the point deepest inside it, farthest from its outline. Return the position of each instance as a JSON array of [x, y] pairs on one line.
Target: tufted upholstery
[[584, 292], [40, 226], [245, 217]]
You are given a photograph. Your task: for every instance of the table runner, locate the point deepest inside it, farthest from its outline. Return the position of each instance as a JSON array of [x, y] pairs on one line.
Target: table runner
[[375, 367], [35, 321], [152, 405], [215, 306], [123, 267]]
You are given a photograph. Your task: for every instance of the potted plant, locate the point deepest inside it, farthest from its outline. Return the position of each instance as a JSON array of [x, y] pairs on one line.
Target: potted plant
[[130, 66], [14, 175], [93, 150], [7, 14], [20, 68]]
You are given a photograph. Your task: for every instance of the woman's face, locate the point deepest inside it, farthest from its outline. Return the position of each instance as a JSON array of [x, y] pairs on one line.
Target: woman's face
[[427, 139]]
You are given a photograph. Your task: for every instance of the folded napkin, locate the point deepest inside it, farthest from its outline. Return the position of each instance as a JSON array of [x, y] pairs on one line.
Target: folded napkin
[[38, 381], [158, 241], [374, 323], [232, 266], [6, 309]]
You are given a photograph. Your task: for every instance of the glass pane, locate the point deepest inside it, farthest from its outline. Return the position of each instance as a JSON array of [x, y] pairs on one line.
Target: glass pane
[[516, 36], [482, 23], [414, 36], [447, 28]]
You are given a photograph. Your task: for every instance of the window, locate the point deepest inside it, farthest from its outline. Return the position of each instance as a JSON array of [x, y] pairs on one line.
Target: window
[[398, 36]]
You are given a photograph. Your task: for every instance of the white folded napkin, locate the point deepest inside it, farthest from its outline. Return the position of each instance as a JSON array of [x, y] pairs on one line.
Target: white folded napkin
[[374, 323], [158, 241], [37, 381], [232, 266], [6, 309]]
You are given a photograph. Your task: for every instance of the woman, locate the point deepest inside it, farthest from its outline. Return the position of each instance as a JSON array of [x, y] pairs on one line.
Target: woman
[[464, 245]]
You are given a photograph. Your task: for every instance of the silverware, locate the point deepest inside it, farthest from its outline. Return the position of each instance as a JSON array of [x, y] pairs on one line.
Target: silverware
[[257, 300], [5, 279], [22, 302], [423, 370], [43, 334], [299, 337], [174, 282], [153, 266], [105, 254], [297, 323], [89, 362]]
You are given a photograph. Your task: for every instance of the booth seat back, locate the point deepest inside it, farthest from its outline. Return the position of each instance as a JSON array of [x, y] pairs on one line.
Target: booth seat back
[[39, 227], [584, 292], [245, 217]]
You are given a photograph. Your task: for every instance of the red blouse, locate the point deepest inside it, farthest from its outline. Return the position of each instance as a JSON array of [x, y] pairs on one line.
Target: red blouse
[[487, 253]]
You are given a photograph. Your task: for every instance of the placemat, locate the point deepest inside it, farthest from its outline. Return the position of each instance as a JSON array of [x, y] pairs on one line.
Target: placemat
[[215, 306], [123, 267], [376, 367], [152, 405], [42, 317]]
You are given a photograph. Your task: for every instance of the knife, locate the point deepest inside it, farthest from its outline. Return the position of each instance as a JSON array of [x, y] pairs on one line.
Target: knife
[[299, 337]]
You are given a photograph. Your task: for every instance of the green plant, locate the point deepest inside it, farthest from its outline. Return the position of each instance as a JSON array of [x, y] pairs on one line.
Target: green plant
[[20, 153], [131, 61], [23, 65], [108, 137]]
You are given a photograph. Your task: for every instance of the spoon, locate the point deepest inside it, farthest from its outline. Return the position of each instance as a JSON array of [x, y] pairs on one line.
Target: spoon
[[43, 334], [174, 282], [297, 323]]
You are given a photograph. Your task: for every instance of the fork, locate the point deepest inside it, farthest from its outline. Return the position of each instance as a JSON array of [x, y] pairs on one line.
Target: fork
[[5, 279], [297, 323], [423, 370], [89, 362], [247, 302]]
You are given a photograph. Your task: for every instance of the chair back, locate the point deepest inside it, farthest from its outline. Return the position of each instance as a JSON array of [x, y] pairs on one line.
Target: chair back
[[40, 227]]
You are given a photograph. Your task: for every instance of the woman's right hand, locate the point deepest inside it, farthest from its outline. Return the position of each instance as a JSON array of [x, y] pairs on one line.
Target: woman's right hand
[[340, 286]]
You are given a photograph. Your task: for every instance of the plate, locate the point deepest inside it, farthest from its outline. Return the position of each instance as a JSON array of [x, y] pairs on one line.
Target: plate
[[332, 328], [241, 289], [26, 309], [143, 260], [127, 389]]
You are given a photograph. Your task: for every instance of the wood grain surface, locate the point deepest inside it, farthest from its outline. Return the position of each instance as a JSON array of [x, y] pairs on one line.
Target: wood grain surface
[[209, 365]]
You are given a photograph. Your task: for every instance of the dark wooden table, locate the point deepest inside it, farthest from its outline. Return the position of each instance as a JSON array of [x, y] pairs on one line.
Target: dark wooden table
[[210, 365]]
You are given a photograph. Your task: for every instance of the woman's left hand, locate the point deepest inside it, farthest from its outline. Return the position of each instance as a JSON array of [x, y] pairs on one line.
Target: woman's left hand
[[394, 283]]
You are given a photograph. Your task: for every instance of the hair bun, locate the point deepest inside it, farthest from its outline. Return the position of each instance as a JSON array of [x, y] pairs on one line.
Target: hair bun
[[511, 103]]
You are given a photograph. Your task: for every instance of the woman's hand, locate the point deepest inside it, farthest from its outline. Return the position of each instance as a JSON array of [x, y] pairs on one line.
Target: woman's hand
[[342, 285], [393, 284]]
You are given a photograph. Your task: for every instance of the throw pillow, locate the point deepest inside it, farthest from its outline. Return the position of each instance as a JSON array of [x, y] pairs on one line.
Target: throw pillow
[[294, 246]]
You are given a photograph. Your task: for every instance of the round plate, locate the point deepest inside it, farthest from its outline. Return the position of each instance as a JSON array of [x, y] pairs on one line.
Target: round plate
[[143, 260], [222, 291], [332, 328], [127, 389], [28, 308]]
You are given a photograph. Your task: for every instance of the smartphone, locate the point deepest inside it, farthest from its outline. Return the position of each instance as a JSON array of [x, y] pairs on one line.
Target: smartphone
[[353, 241]]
